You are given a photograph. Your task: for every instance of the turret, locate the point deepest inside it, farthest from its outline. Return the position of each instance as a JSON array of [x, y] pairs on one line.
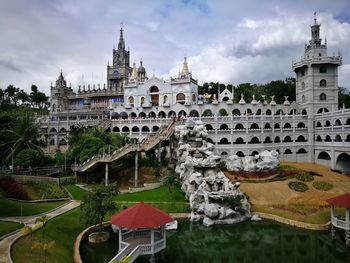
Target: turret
[[121, 44]]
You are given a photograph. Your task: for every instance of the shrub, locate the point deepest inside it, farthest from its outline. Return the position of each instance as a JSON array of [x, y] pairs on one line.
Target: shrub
[[49, 190], [322, 185], [305, 177], [298, 186], [222, 166], [12, 189]]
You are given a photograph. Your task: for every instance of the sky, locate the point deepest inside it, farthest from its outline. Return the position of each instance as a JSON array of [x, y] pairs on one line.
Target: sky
[[225, 41]]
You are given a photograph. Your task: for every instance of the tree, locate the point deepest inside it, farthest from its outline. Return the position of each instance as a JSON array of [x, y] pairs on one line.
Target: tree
[[27, 230], [45, 246], [23, 134], [38, 99], [97, 204]]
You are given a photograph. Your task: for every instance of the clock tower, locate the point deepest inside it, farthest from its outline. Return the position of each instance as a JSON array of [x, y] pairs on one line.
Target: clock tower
[[120, 69]]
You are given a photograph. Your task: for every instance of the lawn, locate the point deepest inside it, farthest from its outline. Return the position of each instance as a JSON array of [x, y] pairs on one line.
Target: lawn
[[7, 227], [62, 229], [171, 202], [161, 194], [13, 208], [76, 191]]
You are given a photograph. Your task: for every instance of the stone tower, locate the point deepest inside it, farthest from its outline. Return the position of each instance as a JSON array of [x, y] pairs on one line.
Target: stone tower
[[317, 76], [120, 69], [59, 94]]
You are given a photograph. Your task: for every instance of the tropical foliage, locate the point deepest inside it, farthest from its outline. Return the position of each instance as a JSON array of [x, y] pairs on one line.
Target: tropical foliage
[[95, 205]]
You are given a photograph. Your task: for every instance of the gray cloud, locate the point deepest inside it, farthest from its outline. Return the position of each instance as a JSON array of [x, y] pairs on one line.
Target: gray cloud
[[226, 41]]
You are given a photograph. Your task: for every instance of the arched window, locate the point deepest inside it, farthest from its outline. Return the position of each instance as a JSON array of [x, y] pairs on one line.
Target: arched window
[[337, 122], [131, 100], [171, 114], [277, 139], [182, 113], [287, 151], [301, 150], [135, 129], [277, 126], [267, 140], [161, 114], [236, 112], [116, 129], [224, 141], [254, 126], [279, 112], [328, 138], [53, 107], [209, 127], [304, 112], [165, 99], [287, 139], [145, 129], [125, 129], [323, 83], [303, 99], [321, 110], [153, 89], [155, 128], [318, 138], [303, 85], [239, 140], [254, 153], [152, 115], [254, 140], [287, 126], [338, 138], [318, 124], [258, 112], [301, 125], [328, 124], [223, 127], [267, 126], [239, 126], [348, 138], [194, 113], [268, 112], [193, 98], [323, 69], [323, 96], [142, 115], [240, 154], [207, 113], [301, 138], [223, 112], [180, 98], [133, 115]]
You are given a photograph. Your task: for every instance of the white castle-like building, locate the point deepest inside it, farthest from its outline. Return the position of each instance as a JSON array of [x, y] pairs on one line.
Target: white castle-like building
[[311, 129]]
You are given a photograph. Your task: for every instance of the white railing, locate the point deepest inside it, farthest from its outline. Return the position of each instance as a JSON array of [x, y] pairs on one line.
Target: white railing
[[340, 223], [159, 245], [123, 253]]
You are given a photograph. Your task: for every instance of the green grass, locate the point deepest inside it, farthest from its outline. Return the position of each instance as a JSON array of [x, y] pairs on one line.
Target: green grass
[[169, 207], [13, 208], [322, 185], [8, 227], [76, 191], [161, 194], [62, 229]]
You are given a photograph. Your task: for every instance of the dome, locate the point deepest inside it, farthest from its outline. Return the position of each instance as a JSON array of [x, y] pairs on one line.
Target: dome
[[141, 69]]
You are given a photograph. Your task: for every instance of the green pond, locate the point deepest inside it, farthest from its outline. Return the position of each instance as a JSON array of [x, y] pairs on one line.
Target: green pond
[[264, 241]]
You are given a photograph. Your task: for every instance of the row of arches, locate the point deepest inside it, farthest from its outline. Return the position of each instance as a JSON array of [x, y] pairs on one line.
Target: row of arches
[[195, 113], [253, 153], [328, 123], [328, 138], [342, 162], [256, 140], [136, 129], [253, 126]]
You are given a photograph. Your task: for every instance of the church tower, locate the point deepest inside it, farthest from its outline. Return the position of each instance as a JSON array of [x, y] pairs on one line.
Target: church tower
[[317, 76], [120, 69], [58, 95]]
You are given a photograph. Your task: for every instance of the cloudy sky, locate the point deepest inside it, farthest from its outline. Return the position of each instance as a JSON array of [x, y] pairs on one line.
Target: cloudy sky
[[227, 41]]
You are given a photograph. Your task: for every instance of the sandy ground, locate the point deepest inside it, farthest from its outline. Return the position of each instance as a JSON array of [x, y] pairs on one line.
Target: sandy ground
[[278, 193]]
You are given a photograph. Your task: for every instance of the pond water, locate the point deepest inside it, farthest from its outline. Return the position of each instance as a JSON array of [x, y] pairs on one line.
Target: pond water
[[264, 241]]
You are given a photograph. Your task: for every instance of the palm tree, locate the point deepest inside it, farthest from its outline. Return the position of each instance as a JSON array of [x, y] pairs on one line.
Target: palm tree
[[23, 134]]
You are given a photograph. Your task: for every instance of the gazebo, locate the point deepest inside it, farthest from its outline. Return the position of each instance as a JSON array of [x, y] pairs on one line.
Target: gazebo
[[141, 231], [342, 222]]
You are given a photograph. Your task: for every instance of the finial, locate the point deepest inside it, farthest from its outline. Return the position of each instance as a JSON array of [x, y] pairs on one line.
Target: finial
[[315, 18]]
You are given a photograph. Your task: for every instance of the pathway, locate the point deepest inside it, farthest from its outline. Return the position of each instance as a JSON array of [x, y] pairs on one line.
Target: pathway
[[5, 244]]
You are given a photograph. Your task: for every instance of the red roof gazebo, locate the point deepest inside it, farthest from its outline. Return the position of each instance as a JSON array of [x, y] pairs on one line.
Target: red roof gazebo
[[141, 230], [339, 221]]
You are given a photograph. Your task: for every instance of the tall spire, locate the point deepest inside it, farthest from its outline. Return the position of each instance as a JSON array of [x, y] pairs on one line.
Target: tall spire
[[121, 44], [185, 71]]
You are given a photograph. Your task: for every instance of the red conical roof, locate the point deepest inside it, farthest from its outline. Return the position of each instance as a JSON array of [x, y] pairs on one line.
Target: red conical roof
[[341, 200], [140, 216]]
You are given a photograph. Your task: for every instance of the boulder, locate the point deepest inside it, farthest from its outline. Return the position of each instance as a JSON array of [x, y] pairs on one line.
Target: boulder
[[211, 210]]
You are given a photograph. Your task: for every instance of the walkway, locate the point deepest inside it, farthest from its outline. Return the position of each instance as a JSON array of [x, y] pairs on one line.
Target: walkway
[[5, 244]]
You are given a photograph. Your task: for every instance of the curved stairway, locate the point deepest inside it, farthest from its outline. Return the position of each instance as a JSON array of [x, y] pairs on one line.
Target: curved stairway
[[148, 143]]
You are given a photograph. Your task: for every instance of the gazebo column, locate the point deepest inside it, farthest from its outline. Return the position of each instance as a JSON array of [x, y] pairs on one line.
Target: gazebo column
[[120, 238], [136, 167], [347, 231], [152, 241], [164, 236], [333, 214]]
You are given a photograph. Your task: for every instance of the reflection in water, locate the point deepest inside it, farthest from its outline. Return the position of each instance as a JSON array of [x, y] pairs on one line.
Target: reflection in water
[[246, 242]]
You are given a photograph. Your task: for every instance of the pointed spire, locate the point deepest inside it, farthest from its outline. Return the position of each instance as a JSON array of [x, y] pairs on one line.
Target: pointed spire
[[185, 71], [121, 44]]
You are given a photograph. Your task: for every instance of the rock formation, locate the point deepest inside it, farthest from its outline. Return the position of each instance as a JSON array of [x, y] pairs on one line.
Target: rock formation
[[265, 161], [213, 198]]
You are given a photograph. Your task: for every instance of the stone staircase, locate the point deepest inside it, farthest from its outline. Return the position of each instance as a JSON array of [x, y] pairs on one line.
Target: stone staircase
[[148, 143], [105, 124]]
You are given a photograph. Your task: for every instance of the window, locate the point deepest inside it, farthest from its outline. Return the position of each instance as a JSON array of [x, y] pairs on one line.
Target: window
[[303, 85], [323, 96], [153, 89], [323, 83], [323, 69], [303, 99]]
